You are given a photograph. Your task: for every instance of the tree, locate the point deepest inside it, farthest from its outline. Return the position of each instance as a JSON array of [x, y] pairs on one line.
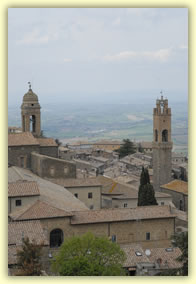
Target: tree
[[89, 256], [28, 259], [179, 240], [146, 195], [127, 148], [58, 142]]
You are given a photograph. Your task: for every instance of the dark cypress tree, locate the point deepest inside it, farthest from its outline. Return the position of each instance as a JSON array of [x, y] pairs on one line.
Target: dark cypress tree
[[127, 148], [146, 195]]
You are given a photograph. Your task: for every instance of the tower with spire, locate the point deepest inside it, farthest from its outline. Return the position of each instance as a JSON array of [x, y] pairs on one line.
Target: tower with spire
[[30, 113], [162, 144]]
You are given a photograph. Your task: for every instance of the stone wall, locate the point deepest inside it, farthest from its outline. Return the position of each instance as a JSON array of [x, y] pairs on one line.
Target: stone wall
[[82, 194], [25, 200], [15, 153], [176, 197], [125, 231], [49, 151], [49, 167]]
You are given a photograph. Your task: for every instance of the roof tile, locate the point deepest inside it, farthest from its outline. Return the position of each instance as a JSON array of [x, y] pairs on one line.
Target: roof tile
[[115, 215], [22, 139], [23, 188]]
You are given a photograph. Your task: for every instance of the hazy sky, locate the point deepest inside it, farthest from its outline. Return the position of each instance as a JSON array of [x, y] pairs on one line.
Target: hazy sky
[[80, 53]]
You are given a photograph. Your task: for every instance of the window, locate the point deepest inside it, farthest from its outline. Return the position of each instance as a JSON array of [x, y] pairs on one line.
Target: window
[[162, 203], [125, 205], [165, 136], [147, 236], [52, 171], [56, 238], [90, 195], [76, 195], [22, 162], [66, 170], [113, 238], [18, 202], [181, 205], [156, 135]]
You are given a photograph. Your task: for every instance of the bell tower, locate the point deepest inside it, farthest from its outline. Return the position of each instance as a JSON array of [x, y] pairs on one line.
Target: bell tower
[[30, 113], [162, 144]]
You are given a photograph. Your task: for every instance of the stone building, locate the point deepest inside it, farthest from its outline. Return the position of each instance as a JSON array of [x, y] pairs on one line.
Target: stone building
[[29, 149], [178, 189], [87, 190], [22, 193], [162, 144]]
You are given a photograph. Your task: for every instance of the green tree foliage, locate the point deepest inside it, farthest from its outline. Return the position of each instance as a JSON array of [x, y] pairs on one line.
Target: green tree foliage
[[28, 259], [58, 142], [146, 195], [89, 256], [127, 148], [179, 240]]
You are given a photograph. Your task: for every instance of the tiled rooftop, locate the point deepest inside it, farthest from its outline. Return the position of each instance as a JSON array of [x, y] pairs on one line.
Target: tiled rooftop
[[177, 185], [31, 229], [51, 193], [167, 258], [22, 139], [79, 182], [131, 258], [39, 210], [115, 215], [47, 142], [23, 188]]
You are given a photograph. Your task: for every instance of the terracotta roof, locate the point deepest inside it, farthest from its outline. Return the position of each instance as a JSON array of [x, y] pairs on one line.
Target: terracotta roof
[[177, 185], [46, 142], [108, 142], [39, 210], [131, 258], [31, 229], [167, 257], [115, 215], [23, 188], [22, 139], [146, 144], [51, 193], [79, 182]]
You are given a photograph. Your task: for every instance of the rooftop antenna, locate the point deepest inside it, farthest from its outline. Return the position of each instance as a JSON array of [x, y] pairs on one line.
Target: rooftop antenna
[[161, 92]]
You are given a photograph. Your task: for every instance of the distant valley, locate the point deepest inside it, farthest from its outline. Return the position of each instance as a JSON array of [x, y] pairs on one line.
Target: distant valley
[[92, 122]]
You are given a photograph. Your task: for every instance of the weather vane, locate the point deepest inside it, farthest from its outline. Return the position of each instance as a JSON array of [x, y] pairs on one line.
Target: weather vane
[[29, 85]]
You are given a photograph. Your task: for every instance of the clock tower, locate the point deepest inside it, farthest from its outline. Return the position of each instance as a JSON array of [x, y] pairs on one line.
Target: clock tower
[[162, 144]]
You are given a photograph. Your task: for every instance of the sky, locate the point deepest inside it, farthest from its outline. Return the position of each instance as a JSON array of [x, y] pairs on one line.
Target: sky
[[104, 54]]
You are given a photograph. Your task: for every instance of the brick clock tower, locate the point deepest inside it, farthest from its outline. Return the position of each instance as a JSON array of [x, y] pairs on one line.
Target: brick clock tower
[[162, 144], [30, 113]]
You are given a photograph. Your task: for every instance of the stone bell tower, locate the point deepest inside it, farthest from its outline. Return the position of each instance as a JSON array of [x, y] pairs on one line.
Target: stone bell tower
[[162, 144], [30, 113]]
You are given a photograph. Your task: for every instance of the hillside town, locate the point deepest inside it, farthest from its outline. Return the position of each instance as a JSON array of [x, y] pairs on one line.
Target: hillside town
[[58, 191]]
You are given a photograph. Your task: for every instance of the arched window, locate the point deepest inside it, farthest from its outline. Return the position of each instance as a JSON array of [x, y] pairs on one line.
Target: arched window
[[165, 136], [56, 238], [156, 135]]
